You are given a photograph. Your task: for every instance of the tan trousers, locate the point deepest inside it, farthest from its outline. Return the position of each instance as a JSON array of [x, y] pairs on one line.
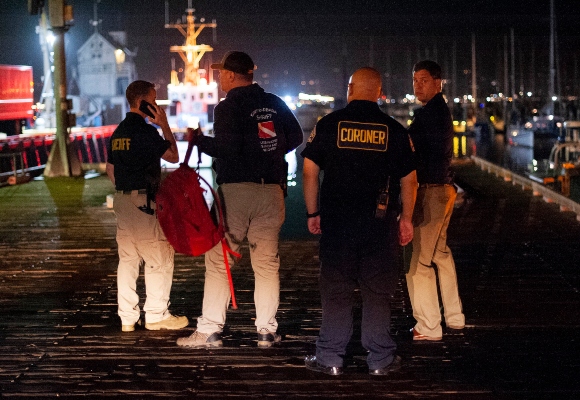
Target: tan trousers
[[140, 239], [431, 217], [255, 211]]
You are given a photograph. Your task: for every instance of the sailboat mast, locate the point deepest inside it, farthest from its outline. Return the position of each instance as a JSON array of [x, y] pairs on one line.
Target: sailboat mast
[[551, 89]]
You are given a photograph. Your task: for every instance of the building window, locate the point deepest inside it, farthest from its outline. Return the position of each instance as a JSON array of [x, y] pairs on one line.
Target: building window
[[122, 84]]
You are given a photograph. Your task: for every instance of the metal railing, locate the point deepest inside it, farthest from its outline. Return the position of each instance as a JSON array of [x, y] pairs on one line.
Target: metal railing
[[537, 188]]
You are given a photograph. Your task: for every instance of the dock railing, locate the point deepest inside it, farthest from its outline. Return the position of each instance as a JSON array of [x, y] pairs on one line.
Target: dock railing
[[538, 189]]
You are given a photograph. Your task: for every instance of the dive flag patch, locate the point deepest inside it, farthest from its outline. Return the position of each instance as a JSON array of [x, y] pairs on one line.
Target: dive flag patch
[[266, 130]]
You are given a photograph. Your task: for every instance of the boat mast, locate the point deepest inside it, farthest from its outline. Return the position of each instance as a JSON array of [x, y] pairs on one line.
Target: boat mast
[[474, 75], [552, 90], [191, 52]]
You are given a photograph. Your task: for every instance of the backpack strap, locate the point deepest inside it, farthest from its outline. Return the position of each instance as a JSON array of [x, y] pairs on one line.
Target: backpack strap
[[190, 148], [226, 249]]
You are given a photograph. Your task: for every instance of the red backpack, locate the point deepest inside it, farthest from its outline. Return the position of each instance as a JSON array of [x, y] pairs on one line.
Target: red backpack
[[185, 218]]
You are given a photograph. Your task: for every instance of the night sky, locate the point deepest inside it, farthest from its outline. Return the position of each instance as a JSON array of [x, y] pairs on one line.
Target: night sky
[[312, 46]]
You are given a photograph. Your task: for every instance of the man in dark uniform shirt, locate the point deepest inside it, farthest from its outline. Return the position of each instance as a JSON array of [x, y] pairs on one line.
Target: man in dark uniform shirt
[[133, 166], [253, 131], [432, 135], [366, 156]]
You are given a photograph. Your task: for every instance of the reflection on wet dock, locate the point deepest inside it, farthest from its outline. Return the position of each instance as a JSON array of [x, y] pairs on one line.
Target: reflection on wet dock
[[517, 262]]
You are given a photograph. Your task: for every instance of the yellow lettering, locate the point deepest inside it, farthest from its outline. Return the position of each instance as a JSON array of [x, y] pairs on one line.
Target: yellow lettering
[[381, 137], [343, 135], [370, 136], [121, 144]]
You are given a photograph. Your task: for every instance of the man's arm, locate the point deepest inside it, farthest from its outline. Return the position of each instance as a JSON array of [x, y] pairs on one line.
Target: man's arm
[[310, 183], [111, 172], [294, 135], [227, 140], [172, 153], [408, 197]]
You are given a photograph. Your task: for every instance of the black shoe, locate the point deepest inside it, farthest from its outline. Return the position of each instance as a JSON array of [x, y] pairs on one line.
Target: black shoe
[[392, 367], [313, 365], [267, 338]]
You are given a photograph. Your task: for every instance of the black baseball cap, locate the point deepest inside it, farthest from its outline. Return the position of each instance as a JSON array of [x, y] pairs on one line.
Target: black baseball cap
[[236, 61]]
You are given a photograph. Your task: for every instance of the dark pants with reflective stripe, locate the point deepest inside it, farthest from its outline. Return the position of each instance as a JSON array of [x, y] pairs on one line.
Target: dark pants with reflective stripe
[[337, 293]]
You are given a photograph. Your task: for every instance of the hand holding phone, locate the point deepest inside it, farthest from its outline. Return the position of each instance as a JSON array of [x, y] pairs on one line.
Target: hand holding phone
[[144, 108]]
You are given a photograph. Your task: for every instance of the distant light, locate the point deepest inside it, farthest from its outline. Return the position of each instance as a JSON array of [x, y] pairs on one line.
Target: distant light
[[288, 100], [554, 98], [488, 99], [315, 97], [119, 56], [456, 100], [550, 117], [529, 94], [50, 38]]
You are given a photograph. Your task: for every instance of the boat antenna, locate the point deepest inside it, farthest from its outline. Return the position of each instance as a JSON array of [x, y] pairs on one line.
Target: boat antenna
[[95, 21], [191, 52]]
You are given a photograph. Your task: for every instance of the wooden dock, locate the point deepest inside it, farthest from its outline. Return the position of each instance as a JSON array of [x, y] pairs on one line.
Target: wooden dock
[[517, 259]]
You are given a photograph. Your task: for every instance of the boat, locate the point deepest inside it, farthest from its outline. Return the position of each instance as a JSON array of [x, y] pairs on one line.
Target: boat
[[562, 169], [191, 100]]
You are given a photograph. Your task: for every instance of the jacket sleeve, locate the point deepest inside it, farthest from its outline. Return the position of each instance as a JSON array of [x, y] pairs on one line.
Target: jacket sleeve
[[227, 139], [292, 130]]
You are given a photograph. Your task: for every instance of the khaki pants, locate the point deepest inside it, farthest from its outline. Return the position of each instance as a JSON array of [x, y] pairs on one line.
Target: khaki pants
[[431, 218], [140, 239], [255, 211]]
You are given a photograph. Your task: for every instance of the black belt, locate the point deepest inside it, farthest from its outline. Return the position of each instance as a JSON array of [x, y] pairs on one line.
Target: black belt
[[263, 181], [139, 191], [428, 185]]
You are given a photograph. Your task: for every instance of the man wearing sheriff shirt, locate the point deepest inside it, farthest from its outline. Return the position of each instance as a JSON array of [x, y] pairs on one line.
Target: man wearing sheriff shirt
[[253, 132], [133, 166], [368, 165]]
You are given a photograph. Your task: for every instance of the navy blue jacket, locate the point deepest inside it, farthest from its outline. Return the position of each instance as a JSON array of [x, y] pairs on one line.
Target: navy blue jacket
[[253, 131]]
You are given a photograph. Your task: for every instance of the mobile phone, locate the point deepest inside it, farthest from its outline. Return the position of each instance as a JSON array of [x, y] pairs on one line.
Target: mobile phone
[[144, 108]]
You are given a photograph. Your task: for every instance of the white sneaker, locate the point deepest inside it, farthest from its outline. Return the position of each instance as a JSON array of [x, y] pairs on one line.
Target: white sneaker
[[130, 327], [173, 322], [198, 340]]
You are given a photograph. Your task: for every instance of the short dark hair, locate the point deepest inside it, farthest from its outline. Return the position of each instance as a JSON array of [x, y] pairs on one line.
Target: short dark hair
[[432, 67], [137, 89], [245, 77]]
